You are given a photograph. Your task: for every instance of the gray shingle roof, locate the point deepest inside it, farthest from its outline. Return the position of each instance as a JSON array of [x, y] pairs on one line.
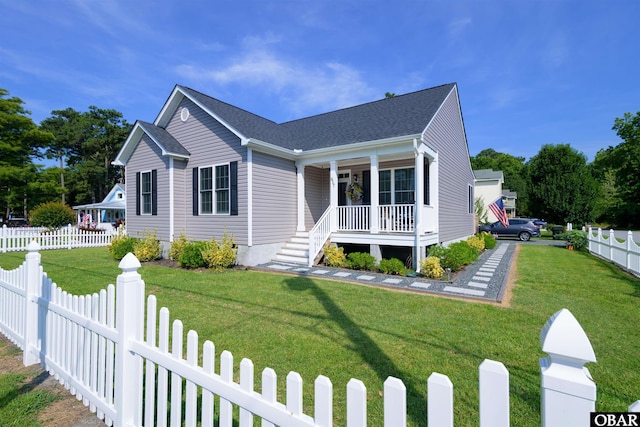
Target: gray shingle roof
[[488, 174], [398, 116], [249, 124], [167, 142]]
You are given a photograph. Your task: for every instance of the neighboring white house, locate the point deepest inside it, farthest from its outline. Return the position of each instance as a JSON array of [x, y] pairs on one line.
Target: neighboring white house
[[509, 199], [104, 214], [488, 187]]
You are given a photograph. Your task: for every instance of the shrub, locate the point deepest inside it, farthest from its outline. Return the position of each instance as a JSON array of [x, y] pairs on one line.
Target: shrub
[[437, 251], [121, 245], [147, 248], [577, 239], [392, 266], [191, 256], [334, 256], [52, 215], [219, 256], [177, 246], [490, 242], [361, 261], [477, 243], [458, 255], [430, 267]]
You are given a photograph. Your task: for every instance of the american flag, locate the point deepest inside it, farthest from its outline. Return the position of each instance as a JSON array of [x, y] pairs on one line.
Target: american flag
[[498, 210]]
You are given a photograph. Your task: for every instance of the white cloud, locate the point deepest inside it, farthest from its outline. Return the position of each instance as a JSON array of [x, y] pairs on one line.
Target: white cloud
[[302, 86], [458, 26]]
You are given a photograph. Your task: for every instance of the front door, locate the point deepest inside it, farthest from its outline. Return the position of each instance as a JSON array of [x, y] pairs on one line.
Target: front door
[[342, 194], [344, 179]]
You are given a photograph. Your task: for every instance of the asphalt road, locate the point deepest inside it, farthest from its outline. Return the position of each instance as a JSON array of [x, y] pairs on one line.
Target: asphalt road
[[622, 234]]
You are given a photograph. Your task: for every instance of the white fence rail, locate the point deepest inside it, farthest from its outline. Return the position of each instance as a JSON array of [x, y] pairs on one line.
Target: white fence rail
[[97, 346], [17, 239], [626, 254]]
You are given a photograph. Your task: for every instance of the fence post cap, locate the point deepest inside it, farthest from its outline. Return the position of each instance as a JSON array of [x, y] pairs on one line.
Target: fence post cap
[[33, 246], [564, 340], [129, 263]]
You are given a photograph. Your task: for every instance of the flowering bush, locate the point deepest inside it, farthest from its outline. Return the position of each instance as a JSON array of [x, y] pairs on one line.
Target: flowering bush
[[354, 192], [148, 248], [334, 256], [220, 255], [430, 267]]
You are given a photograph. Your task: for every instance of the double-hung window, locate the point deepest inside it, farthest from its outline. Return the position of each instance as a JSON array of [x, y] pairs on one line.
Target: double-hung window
[[145, 192], [214, 189], [397, 186]]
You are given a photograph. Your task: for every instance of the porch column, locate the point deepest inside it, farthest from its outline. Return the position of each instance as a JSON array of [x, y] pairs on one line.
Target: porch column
[[375, 195], [434, 192], [300, 176], [419, 198], [333, 194]]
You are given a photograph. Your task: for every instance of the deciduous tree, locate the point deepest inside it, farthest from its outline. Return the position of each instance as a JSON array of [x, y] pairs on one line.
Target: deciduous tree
[[20, 140], [562, 187]]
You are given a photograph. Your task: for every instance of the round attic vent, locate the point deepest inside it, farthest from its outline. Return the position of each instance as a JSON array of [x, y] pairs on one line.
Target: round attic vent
[[184, 114]]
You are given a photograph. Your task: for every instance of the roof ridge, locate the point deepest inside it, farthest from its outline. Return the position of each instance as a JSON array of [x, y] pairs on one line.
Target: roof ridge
[[368, 103]]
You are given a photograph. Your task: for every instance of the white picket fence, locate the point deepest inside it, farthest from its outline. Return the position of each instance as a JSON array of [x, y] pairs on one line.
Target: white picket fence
[[17, 239], [626, 254], [97, 346]]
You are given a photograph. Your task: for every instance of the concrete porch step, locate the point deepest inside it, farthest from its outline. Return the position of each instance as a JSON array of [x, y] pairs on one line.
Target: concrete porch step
[[296, 250]]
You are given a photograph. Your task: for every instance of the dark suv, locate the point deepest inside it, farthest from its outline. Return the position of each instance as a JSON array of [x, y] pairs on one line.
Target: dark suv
[[522, 228]]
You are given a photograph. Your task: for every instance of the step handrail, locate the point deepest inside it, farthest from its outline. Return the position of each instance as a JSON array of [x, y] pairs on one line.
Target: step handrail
[[319, 234]]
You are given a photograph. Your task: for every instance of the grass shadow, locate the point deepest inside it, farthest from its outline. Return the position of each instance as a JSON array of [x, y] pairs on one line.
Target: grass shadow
[[365, 346]]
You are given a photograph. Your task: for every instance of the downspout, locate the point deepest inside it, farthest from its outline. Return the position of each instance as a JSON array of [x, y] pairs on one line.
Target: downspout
[[171, 202], [249, 197]]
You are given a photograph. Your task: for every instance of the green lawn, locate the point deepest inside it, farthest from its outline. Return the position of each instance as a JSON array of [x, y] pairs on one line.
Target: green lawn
[[343, 330]]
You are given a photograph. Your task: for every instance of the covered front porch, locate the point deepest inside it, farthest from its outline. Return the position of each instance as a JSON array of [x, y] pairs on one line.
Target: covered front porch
[[385, 197]]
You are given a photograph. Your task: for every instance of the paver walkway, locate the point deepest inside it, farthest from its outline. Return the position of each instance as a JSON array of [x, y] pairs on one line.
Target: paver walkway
[[485, 279]]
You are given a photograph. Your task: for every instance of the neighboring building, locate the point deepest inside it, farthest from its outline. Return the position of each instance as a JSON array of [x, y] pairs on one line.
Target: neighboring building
[[509, 200], [104, 214], [204, 167], [488, 188]]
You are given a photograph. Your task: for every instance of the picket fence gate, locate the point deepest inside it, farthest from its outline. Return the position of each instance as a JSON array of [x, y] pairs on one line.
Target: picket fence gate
[[625, 254], [69, 237], [97, 347]]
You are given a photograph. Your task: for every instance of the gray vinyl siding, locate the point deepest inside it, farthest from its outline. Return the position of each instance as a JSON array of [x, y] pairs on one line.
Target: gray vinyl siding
[[209, 143], [147, 157], [446, 135], [274, 199], [316, 194]]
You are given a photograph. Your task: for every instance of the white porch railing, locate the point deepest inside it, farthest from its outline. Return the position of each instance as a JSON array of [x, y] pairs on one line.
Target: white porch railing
[[98, 347], [391, 218], [319, 234], [354, 218], [396, 218]]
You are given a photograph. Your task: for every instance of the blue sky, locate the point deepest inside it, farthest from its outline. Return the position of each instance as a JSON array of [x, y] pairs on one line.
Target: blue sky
[[529, 72]]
